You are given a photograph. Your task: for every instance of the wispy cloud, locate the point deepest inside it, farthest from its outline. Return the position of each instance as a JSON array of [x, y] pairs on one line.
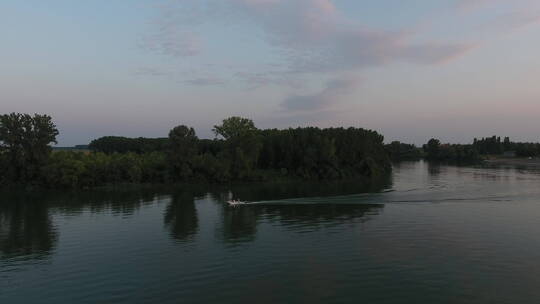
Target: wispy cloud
[[313, 39], [173, 31], [269, 77], [320, 39], [205, 81], [312, 35], [172, 41], [469, 5], [152, 71], [505, 15], [515, 20], [325, 98]]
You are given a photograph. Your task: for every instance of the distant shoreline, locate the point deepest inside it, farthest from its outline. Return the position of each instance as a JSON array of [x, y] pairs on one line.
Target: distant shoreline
[[522, 161]]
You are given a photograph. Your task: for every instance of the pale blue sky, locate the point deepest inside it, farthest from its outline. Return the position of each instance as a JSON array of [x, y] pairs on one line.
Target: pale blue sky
[[452, 69]]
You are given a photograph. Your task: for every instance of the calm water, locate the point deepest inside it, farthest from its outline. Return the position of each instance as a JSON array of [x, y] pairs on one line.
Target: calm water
[[430, 234]]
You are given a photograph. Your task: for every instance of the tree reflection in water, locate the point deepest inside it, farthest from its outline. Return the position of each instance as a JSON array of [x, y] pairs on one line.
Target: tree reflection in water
[[26, 223], [320, 215], [240, 223], [26, 228], [181, 215]]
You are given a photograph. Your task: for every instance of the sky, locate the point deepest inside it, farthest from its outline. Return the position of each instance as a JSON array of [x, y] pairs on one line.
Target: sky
[[412, 70]]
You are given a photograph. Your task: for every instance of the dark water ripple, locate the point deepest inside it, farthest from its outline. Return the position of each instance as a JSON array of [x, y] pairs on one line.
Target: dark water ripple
[[431, 234]]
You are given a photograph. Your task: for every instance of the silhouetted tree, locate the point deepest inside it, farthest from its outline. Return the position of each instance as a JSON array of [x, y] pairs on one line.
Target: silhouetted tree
[[243, 144], [25, 145], [241, 153], [432, 148], [183, 148], [401, 151], [450, 152], [119, 144]]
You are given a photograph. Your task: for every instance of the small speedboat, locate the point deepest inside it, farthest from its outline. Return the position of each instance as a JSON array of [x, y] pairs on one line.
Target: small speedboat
[[235, 203]]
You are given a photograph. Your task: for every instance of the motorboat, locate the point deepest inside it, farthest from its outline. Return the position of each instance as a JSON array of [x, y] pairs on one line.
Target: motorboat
[[235, 203]]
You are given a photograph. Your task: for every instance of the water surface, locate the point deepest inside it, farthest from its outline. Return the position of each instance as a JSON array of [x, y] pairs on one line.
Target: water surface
[[429, 234]]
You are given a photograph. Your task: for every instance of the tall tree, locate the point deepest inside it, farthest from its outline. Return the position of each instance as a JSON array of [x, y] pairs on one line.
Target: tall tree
[[25, 144], [243, 144], [183, 148], [432, 148], [235, 127]]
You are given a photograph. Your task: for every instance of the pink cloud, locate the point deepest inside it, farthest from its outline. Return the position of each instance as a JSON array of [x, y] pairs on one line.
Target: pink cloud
[[314, 39], [319, 39]]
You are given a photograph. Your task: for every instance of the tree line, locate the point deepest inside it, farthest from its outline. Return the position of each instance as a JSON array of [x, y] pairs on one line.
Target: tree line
[[119, 144], [495, 146], [436, 151], [479, 149], [240, 152], [399, 151]]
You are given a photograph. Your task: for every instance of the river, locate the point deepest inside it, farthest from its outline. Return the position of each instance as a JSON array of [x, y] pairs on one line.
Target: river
[[429, 233]]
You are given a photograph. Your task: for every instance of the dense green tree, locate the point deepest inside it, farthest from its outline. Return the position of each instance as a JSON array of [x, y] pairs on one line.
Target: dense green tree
[[491, 145], [183, 148], [235, 127], [68, 169], [314, 153], [212, 146], [208, 167], [400, 151], [119, 144], [64, 170], [25, 145], [242, 152], [432, 148], [494, 146], [155, 168], [242, 145], [447, 152], [507, 145]]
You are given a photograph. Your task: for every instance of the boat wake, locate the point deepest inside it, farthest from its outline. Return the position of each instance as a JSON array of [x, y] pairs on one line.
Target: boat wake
[[374, 198]]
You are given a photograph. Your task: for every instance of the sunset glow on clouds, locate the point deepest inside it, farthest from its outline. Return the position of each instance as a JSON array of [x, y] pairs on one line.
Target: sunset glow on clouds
[[410, 69]]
